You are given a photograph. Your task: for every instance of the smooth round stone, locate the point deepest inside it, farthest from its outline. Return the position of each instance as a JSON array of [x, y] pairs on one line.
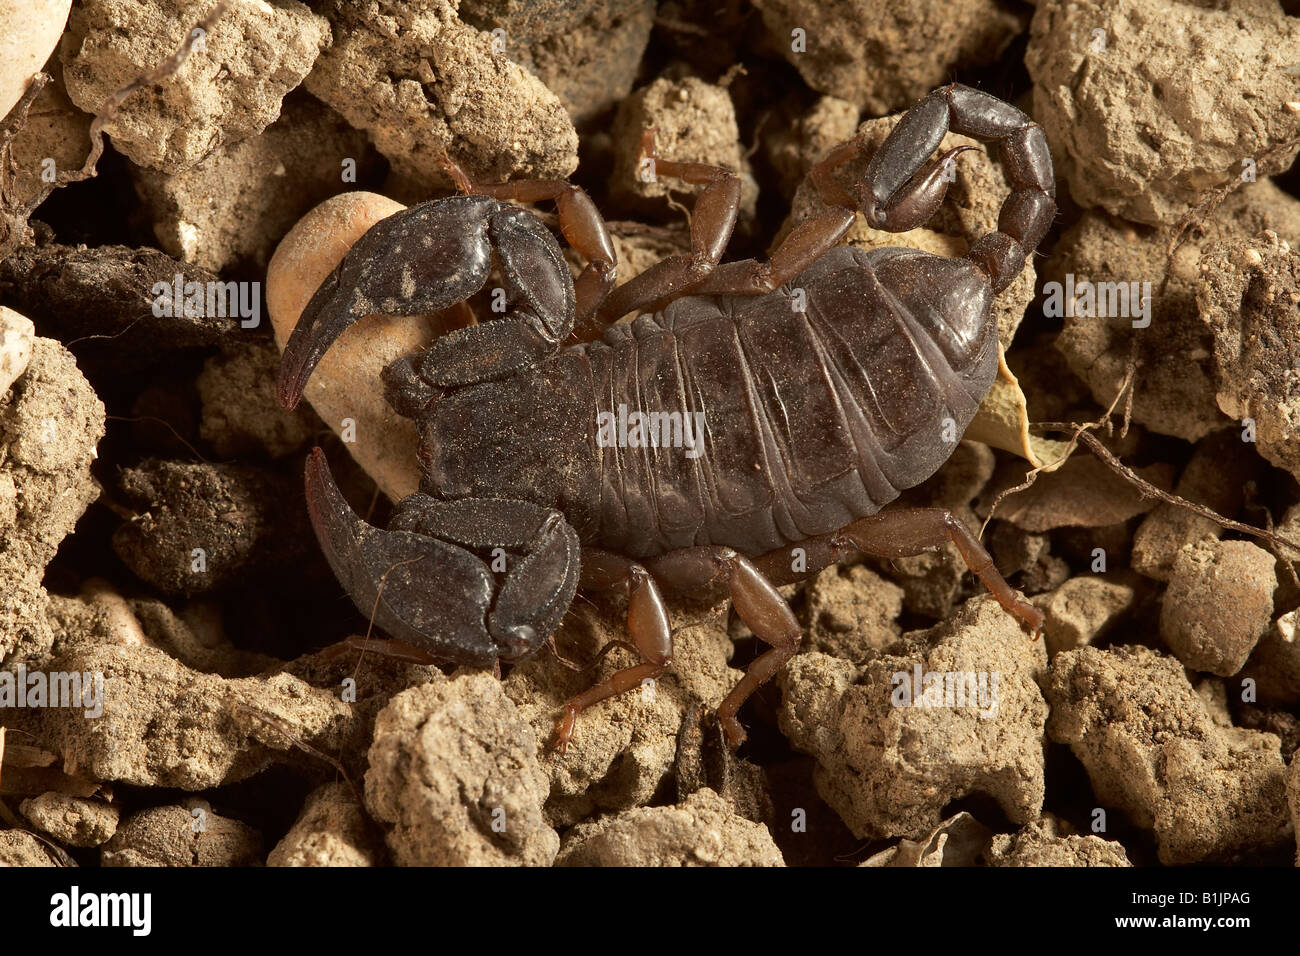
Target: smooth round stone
[[29, 31], [345, 389]]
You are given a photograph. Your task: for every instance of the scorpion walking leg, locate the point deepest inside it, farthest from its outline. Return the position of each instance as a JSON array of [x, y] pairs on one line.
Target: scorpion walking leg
[[711, 224], [909, 531], [647, 625], [757, 602]]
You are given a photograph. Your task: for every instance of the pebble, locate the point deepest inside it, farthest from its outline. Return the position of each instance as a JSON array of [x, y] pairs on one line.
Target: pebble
[[345, 389], [28, 34], [16, 333]]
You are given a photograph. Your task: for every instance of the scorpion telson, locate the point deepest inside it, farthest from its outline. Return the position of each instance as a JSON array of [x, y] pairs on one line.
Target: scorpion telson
[[812, 419]]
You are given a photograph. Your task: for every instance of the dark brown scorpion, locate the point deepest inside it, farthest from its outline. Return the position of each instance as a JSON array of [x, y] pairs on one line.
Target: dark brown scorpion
[[820, 381]]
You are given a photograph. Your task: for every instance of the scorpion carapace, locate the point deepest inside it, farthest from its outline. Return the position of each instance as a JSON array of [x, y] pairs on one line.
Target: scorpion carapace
[[787, 401]]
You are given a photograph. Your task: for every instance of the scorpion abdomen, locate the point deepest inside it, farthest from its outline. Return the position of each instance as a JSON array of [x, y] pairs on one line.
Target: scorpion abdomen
[[808, 408]]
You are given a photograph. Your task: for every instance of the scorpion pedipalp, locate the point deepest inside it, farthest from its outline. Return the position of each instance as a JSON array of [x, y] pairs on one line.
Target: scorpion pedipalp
[[415, 262], [470, 581], [388, 573]]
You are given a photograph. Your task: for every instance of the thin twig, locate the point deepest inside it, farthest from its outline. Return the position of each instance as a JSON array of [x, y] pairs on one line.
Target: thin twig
[[1079, 428], [1149, 490]]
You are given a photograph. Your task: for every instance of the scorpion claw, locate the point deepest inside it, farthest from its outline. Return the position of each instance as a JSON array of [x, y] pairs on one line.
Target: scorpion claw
[[391, 577], [316, 330]]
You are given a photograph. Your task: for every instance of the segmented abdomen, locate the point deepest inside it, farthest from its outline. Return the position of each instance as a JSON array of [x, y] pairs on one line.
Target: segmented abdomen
[[816, 406]]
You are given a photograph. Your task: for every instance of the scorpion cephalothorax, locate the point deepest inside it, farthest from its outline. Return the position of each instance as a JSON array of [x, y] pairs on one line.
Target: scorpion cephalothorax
[[808, 420]]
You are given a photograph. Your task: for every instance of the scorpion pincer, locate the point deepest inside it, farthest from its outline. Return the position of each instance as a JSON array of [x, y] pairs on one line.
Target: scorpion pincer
[[817, 383]]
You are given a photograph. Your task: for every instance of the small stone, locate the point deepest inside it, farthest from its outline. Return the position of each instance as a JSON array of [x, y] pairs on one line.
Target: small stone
[[806, 135], [623, 749], [420, 81], [232, 207], [331, 830], [693, 122], [1153, 750], [1082, 609], [1256, 329], [587, 52], [16, 334], [1043, 844], [883, 58], [28, 35], [1275, 663], [19, 848], [852, 611], [1082, 493], [454, 774], [201, 527], [157, 723], [1214, 477], [135, 323], [1218, 604], [1175, 379], [892, 752], [704, 830], [50, 424], [55, 139], [72, 821], [188, 835], [228, 89], [1140, 106]]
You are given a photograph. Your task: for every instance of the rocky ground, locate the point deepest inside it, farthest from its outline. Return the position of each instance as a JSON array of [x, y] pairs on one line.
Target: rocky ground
[[153, 534]]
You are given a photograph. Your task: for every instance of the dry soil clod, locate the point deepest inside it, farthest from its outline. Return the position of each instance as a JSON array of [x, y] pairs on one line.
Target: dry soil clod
[[1153, 750], [191, 834], [454, 775], [704, 830], [892, 751], [1147, 104], [264, 51]]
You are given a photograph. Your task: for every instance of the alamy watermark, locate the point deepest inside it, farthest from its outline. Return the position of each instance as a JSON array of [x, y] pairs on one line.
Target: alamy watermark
[[133, 911], [977, 690], [1102, 300], [624, 429], [196, 300], [22, 688]]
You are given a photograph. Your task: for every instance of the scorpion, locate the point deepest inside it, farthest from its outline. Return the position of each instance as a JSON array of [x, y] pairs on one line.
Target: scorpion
[[820, 377]]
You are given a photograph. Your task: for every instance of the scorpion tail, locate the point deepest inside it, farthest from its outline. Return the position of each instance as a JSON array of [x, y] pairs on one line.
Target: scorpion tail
[[894, 193]]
